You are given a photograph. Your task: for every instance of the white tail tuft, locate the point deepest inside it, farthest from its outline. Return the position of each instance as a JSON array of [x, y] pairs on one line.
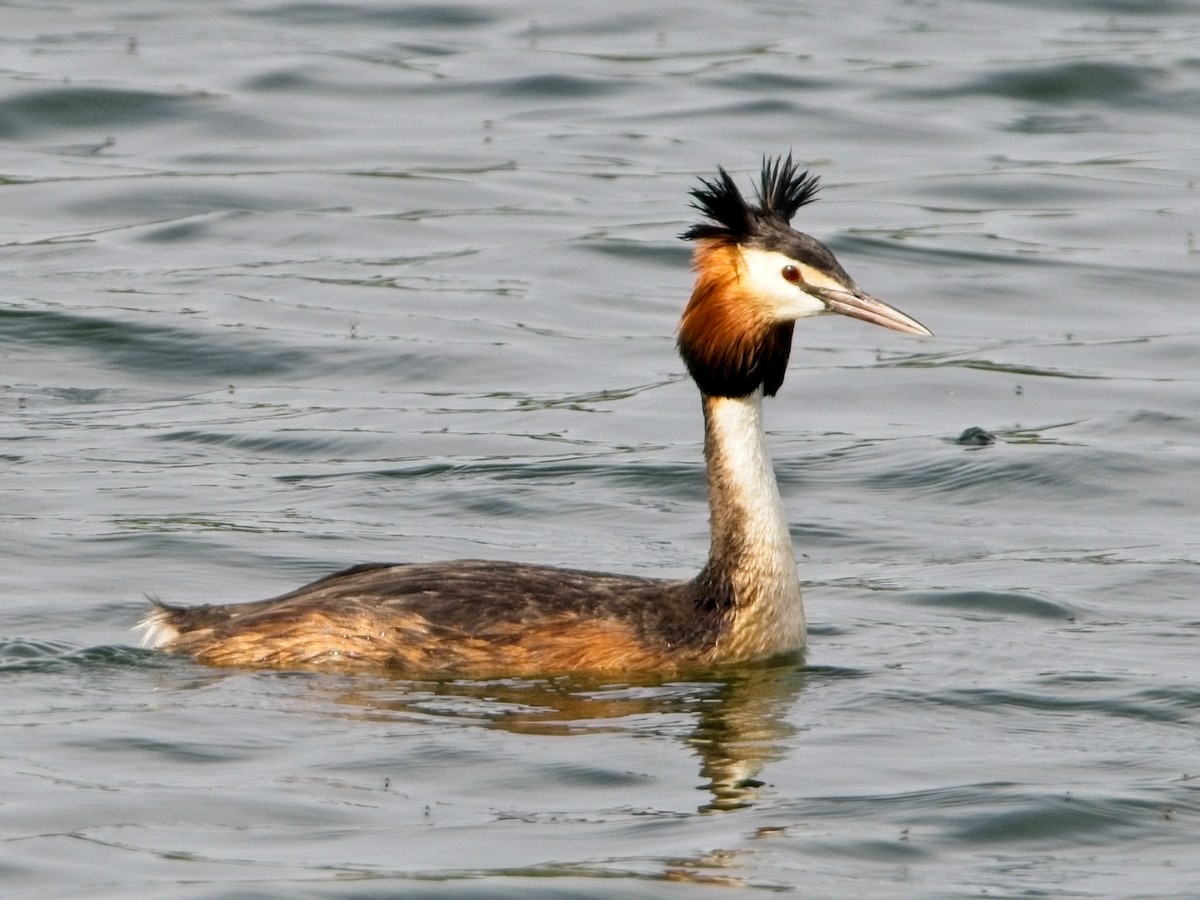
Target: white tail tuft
[[157, 630]]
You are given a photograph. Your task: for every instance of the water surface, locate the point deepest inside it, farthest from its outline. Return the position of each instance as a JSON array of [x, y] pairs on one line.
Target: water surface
[[292, 286]]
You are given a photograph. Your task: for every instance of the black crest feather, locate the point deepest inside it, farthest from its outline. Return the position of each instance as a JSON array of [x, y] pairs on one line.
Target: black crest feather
[[782, 190]]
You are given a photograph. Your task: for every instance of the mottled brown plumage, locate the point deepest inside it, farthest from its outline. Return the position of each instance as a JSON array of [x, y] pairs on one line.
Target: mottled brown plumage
[[475, 616]]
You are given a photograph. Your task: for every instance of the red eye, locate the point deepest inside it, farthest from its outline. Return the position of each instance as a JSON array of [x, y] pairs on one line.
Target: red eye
[[791, 274]]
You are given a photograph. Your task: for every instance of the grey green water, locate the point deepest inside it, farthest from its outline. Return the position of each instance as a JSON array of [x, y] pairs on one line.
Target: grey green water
[[287, 287]]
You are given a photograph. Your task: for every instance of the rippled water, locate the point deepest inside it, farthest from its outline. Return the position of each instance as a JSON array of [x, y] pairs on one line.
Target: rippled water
[[292, 286]]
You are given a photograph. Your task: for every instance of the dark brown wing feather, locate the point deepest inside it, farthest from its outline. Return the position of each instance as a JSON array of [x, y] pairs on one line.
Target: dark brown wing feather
[[470, 616]]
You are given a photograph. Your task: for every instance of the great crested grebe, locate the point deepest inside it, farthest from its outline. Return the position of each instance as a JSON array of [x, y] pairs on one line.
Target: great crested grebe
[[755, 276]]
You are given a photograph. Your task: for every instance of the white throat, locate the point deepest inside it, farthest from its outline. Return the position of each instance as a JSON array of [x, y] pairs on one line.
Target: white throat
[[751, 542]]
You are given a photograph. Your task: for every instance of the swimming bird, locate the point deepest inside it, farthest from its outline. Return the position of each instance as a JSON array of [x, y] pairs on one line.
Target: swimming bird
[[755, 277]]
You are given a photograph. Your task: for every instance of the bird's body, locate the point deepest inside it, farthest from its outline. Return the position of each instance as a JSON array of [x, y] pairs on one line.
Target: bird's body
[[755, 277]]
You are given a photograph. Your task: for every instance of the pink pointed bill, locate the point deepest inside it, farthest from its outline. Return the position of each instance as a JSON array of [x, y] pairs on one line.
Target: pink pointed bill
[[860, 305]]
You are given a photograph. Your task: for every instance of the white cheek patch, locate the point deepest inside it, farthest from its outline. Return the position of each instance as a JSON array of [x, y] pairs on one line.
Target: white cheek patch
[[784, 299]]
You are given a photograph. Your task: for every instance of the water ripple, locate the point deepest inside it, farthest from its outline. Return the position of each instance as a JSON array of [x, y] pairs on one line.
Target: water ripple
[[976, 604], [33, 114]]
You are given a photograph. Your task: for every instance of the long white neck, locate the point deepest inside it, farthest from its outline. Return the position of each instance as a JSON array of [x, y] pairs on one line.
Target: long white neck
[[751, 545]]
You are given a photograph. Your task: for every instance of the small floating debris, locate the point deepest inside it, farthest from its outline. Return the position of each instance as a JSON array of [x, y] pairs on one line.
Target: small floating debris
[[975, 437]]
